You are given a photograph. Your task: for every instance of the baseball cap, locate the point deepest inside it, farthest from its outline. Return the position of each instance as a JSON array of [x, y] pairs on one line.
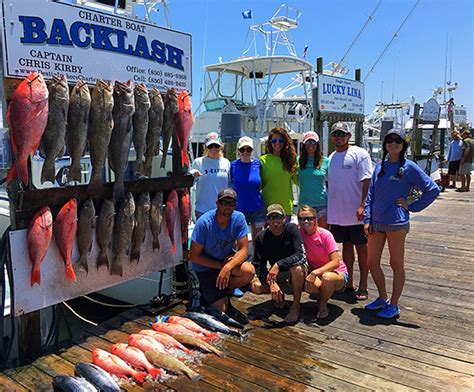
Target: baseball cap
[[227, 192], [310, 136], [397, 131], [212, 138], [275, 209], [244, 141], [340, 126]]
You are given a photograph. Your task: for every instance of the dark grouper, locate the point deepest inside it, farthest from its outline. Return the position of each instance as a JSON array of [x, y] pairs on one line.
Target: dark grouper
[[102, 380], [72, 384], [211, 323]]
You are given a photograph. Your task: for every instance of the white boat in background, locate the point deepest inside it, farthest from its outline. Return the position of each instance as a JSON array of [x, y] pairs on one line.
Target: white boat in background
[[249, 95]]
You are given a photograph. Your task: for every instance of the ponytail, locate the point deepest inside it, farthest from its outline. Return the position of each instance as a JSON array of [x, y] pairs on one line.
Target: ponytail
[[382, 171]]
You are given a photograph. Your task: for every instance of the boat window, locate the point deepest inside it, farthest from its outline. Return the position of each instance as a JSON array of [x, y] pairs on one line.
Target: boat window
[[227, 86]]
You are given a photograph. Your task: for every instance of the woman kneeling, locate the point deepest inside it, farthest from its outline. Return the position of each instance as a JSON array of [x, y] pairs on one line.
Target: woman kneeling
[[328, 272]]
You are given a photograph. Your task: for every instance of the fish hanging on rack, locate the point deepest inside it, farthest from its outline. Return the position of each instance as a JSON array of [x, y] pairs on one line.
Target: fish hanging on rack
[[170, 100], [65, 229], [27, 116], [183, 123], [140, 125], [155, 124]]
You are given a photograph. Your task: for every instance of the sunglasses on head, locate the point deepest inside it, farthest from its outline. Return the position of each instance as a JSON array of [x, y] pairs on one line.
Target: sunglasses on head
[[275, 217], [245, 149], [306, 218], [339, 134], [227, 202], [310, 142], [278, 140], [213, 146], [397, 140]]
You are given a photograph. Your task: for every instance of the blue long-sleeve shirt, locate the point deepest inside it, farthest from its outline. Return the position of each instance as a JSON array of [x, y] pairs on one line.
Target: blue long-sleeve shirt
[[455, 150], [381, 206]]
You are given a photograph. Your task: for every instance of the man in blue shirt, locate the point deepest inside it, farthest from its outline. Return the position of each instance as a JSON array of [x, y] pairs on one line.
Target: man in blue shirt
[[219, 248]]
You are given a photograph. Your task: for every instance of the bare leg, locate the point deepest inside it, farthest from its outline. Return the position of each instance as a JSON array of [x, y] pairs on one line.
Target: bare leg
[[375, 249], [221, 304], [363, 265], [323, 222], [330, 282], [468, 181], [453, 180], [241, 275], [463, 181], [297, 282], [348, 256], [258, 287], [396, 247]]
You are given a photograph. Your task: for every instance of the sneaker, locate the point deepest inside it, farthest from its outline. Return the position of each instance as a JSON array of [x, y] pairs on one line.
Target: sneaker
[[389, 311], [379, 303], [237, 293]]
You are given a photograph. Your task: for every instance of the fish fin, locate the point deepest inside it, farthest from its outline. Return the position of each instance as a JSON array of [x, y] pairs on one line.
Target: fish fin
[[119, 190], [81, 264], [155, 372], [184, 159], [173, 248], [116, 269], [135, 255], [35, 277], [70, 275], [195, 376], [103, 259], [156, 243], [48, 171], [140, 376], [12, 173], [74, 173]]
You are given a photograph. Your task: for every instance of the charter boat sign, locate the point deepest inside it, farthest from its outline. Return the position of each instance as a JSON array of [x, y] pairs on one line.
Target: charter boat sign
[[86, 44], [339, 95]]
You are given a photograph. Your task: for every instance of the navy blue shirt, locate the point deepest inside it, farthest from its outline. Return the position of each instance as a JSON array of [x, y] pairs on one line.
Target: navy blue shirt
[[245, 177], [381, 206]]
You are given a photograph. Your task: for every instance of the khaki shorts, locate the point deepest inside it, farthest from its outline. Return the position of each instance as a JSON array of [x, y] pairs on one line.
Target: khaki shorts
[[465, 168], [283, 280]]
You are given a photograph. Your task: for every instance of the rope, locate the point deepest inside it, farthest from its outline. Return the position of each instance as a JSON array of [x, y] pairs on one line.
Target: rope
[[79, 316], [110, 305]]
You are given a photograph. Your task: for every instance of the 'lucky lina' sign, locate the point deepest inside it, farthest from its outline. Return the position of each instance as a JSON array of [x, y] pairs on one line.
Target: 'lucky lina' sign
[[340, 95]]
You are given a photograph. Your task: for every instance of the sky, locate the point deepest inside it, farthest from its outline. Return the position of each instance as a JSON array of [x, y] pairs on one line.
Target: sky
[[413, 65]]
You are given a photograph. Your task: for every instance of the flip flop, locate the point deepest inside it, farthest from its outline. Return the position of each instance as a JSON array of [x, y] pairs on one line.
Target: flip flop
[[323, 314], [362, 295]]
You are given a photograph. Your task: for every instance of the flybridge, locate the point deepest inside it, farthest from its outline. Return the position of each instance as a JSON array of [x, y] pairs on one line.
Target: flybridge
[[100, 37]]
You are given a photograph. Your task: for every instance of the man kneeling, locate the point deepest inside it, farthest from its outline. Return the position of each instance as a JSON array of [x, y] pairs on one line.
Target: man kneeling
[[282, 246], [219, 268]]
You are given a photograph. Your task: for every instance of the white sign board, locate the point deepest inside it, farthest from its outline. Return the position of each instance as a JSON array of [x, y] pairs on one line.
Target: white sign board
[[340, 95], [431, 110], [460, 114], [54, 287], [86, 44]]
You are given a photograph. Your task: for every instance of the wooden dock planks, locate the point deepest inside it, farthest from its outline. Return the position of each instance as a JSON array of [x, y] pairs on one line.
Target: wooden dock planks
[[430, 347]]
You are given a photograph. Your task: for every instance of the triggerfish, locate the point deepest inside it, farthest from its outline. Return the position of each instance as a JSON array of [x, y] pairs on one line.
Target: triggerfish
[[38, 238], [27, 116], [65, 229]]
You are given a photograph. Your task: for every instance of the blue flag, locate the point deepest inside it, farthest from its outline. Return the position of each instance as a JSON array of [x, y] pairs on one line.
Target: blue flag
[[247, 14], [305, 52]]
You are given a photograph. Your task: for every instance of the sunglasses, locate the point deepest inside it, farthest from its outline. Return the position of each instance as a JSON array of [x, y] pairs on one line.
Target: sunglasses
[[245, 149], [310, 142], [306, 218], [213, 146], [227, 203], [275, 217], [279, 140], [339, 134], [397, 140]]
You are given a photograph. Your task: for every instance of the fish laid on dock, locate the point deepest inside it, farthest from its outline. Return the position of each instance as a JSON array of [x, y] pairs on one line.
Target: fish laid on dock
[[223, 317], [166, 340], [135, 357], [102, 380], [115, 365], [174, 365], [145, 343], [172, 329], [198, 343], [189, 324], [72, 384], [212, 323]]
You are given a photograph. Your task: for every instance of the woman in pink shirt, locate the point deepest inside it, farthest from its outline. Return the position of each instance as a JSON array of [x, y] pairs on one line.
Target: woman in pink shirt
[[328, 272]]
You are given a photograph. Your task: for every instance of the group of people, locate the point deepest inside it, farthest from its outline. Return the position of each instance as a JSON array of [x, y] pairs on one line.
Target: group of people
[[341, 200], [459, 159]]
